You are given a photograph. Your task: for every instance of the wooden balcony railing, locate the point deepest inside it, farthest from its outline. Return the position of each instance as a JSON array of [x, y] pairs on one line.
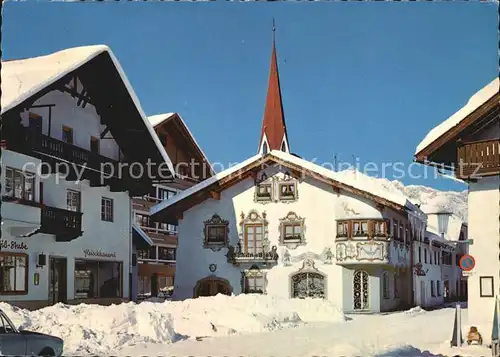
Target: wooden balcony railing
[[65, 225], [479, 158], [27, 141]]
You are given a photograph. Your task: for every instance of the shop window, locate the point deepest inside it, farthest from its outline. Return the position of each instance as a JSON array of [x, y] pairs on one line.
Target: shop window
[[13, 273], [95, 279]]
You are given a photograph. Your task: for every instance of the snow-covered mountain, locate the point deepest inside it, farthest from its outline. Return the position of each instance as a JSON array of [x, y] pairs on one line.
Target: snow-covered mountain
[[449, 201]]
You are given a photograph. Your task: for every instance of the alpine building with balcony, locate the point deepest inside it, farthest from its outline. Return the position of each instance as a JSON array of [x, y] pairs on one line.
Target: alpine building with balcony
[[70, 161], [467, 145]]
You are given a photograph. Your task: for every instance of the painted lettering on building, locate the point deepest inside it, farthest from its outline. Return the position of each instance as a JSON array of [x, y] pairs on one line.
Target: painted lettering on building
[[11, 244], [98, 253]]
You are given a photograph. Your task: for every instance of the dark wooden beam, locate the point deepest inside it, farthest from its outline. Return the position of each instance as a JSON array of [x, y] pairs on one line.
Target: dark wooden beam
[[104, 132]]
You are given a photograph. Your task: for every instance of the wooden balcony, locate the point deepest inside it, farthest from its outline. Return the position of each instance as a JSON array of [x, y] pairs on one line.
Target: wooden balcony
[[478, 159], [145, 203], [160, 235], [65, 225], [238, 255], [47, 148]]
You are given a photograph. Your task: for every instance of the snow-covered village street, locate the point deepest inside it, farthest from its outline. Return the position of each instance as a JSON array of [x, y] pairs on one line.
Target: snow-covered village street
[[247, 325], [267, 180]]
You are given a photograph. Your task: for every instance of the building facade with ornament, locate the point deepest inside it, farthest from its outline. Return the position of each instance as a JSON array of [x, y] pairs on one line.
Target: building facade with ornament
[[468, 145], [280, 225], [71, 122]]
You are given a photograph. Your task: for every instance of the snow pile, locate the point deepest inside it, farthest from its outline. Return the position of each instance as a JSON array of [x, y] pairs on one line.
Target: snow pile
[[94, 329], [417, 310]]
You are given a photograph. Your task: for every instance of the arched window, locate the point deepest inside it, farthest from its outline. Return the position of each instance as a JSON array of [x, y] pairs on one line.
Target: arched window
[[360, 290]]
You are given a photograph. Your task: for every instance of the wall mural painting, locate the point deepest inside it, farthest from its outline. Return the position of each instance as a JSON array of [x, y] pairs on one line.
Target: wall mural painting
[[365, 251]]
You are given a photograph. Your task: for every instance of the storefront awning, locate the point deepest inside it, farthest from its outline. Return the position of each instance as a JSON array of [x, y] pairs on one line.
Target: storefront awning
[[140, 239]]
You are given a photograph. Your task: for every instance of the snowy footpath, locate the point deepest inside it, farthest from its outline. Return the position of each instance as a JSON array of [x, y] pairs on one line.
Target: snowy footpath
[[249, 325]]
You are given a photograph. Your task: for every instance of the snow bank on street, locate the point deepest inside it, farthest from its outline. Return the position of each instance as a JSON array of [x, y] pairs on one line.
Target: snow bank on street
[[95, 329]]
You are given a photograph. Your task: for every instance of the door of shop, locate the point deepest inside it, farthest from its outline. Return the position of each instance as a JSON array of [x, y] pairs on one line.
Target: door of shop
[[57, 280]]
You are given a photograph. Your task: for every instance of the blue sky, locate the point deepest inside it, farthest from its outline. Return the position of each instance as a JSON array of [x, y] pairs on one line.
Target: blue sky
[[361, 79]]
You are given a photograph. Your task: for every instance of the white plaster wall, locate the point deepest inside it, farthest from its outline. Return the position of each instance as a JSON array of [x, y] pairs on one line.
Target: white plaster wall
[[85, 122], [319, 233], [483, 227], [108, 237], [317, 203]]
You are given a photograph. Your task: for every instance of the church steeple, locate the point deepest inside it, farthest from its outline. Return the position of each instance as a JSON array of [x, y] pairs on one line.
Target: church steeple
[[273, 135]]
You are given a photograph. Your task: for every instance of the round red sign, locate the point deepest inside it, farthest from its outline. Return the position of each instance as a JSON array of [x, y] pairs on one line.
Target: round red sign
[[467, 263]]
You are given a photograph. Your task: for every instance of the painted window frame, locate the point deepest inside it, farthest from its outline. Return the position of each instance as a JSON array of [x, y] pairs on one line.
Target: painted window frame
[[292, 220], [252, 274], [215, 223]]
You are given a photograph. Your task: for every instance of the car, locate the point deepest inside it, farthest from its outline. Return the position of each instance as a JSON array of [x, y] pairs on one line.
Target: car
[[14, 342]]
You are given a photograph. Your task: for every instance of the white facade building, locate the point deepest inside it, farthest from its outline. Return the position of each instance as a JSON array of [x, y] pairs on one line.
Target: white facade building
[[280, 225], [66, 235], [468, 143]]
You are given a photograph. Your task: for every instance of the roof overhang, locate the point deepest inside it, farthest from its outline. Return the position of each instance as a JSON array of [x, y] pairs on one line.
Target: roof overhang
[[160, 120], [26, 81], [170, 211], [440, 144]]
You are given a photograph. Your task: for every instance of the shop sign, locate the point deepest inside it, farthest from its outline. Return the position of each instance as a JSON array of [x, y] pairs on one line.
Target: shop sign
[[12, 244], [98, 253]]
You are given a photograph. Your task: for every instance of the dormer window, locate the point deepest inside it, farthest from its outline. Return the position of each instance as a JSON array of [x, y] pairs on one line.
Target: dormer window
[[216, 232], [264, 192], [287, 191], [263, 189]]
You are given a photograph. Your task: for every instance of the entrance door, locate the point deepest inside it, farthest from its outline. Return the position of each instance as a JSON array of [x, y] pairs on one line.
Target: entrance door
[[360, 290], [57, 280], [422, 294], [212, 287]]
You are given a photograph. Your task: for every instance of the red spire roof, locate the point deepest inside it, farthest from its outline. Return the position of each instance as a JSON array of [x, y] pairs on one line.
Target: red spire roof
[[273, 124]]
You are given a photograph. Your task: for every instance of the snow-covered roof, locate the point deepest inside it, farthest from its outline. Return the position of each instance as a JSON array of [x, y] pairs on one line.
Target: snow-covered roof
[[350, 178], [23, 78], [473, 103], [158, 119]]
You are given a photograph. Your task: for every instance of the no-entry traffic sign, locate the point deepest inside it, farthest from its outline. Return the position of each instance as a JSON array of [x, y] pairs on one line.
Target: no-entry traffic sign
[[467, 262]]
